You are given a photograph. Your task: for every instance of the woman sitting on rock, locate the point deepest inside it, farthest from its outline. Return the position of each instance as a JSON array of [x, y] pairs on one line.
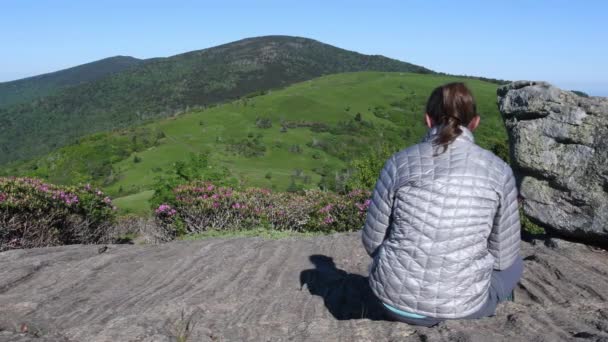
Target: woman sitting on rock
[[443, 225]]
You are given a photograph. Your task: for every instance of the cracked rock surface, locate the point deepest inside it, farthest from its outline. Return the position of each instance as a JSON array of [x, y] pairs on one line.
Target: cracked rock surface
[[253, 289]]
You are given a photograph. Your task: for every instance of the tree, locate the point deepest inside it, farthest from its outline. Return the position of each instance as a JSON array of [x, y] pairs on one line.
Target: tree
[[263, 122], [366, 169], [292, 186]]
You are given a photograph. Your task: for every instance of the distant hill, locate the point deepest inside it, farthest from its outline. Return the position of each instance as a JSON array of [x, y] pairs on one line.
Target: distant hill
[[305, 133], [161, 87], [30, 88]]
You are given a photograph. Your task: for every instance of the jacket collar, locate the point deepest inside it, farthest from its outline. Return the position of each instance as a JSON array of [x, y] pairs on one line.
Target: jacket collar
[[466, 134]]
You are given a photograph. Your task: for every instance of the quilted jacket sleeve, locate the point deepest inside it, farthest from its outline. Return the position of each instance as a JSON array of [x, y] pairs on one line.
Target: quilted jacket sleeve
[[380, 207], [505, 237]]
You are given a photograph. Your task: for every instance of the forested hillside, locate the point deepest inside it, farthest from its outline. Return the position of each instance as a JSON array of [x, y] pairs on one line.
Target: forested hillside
[[31, 88], [162, 87]]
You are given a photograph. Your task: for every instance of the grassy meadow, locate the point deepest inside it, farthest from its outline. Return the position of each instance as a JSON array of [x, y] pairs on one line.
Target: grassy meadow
[[328, 122]]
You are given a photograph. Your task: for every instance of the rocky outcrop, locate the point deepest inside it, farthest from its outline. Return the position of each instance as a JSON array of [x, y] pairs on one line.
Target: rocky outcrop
[[559, 146], [252, 289]]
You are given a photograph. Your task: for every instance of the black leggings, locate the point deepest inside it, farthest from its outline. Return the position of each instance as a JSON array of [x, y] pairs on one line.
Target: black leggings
[[502, 284]]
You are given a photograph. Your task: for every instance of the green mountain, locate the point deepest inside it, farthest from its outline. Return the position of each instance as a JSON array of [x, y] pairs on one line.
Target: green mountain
[[31, 88], [163, 87], [306, 134]]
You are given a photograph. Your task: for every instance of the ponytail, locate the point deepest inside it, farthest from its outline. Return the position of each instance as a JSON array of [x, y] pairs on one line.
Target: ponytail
[[450, 106]]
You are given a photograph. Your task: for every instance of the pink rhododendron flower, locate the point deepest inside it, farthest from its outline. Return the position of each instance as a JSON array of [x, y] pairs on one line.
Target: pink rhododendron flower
[[326, 208], [165, 209]]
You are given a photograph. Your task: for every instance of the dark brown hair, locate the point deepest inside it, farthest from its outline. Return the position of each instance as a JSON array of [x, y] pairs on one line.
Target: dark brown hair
[[450, 106]]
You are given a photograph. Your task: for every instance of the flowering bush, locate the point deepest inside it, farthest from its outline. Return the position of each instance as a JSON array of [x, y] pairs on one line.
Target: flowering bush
[[36, 214], [201, 205], [342, 212]]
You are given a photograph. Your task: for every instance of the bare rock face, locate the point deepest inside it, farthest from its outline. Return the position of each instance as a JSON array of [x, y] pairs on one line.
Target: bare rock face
[[559, 145], [252, 289]]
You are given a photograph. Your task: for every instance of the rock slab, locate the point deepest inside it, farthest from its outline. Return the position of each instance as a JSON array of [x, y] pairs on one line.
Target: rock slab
[[253, 289], [559, 150]]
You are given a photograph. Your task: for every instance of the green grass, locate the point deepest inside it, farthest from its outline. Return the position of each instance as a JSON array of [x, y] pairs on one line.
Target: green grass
[[323, 100], [261, 232], [330, 99], [135, 204], [528, 226]]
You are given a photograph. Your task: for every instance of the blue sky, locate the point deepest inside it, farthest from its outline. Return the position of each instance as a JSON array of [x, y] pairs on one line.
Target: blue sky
[[563, 42]]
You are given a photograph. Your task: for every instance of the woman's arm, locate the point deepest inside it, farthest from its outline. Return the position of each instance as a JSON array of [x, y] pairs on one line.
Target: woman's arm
[[505, 238], [380, 207]]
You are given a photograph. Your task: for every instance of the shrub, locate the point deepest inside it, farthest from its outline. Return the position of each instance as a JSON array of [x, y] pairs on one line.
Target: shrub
[[201, 205], [295, 148], [263, 122], [341, 213], [350, 126], [319, 127], [528, 226], [252, 147], [36, 214], [501, 150], [314, 126], [336, 180], [293, 187], [197, 167], [367, 168]]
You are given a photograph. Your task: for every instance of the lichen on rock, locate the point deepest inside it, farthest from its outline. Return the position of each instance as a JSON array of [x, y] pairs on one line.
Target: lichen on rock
[[559, 150]]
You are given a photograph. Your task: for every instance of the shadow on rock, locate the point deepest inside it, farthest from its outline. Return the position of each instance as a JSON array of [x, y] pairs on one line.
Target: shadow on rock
[[346, 295]]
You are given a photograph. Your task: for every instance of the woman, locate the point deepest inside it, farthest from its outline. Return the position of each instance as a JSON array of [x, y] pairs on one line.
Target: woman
[[443, 225]]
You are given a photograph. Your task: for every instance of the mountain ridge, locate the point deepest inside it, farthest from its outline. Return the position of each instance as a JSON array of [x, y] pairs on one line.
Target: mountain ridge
[[160, 87], [30, 88]]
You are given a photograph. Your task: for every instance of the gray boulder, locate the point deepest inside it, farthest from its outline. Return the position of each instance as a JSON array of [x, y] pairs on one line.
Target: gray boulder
[[559, 150], [252, 289]]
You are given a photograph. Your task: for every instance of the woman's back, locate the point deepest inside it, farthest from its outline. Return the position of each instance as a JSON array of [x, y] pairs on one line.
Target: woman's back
[[438, 224]]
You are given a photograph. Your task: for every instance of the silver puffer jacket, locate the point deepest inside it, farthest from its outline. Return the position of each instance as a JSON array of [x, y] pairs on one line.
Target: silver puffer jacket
[[437, 226]]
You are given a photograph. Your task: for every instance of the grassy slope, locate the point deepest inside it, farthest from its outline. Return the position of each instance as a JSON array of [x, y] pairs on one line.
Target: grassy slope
[[160, 87], [323, 99]]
